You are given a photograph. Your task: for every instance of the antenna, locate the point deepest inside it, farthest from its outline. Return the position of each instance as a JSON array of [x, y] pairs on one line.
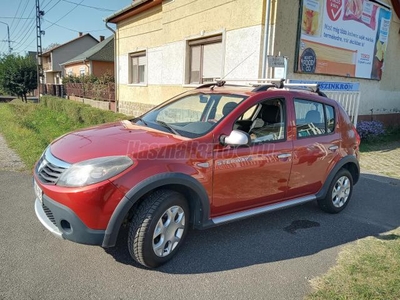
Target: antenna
[[238, 65]]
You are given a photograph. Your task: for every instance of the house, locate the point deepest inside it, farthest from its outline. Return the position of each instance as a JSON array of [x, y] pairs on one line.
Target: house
[[54, 57], [166, 47], [97, 61]]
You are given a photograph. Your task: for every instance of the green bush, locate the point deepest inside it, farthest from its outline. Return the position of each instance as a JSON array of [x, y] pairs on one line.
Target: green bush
[[79, 112]]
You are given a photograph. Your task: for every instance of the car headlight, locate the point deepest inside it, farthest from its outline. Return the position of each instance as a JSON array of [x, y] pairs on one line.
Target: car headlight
[[94, 170]]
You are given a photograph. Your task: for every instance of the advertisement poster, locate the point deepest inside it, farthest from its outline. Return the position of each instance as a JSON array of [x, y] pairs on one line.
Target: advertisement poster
[[343, 37]]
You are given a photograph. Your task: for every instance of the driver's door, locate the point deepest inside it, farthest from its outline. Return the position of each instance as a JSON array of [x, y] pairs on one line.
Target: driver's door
[[251, 176]]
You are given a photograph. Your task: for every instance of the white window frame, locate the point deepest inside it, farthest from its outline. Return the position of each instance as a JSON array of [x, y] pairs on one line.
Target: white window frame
[[138, 54], [212, 38], [82, 69]]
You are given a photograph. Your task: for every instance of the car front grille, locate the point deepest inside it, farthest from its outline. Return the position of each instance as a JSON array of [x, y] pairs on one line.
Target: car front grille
[[50, 168], [49, 214]]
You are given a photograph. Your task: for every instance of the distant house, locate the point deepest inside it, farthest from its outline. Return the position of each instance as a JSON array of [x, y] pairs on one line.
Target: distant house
[[62, 53], [97, 61]]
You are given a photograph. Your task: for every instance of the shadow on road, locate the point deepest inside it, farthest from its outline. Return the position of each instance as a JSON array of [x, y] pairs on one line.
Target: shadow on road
[[287, 234]]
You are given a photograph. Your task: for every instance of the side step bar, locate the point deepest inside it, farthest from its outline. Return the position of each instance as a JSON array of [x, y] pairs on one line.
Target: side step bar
[[260, 210]]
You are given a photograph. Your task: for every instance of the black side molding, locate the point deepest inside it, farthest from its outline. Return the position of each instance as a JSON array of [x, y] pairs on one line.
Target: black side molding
[[202, 213], [345, 160]]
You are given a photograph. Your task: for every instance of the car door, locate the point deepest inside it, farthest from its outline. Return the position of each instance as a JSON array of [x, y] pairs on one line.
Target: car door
[[257, 174], [315, 146]]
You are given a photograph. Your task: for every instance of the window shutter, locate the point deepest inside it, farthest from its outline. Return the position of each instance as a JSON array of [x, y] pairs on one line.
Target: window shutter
[[195, 64], [212, 58], [134, 69]]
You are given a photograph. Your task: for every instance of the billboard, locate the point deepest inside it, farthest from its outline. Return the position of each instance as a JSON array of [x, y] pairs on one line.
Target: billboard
[[343, 37]]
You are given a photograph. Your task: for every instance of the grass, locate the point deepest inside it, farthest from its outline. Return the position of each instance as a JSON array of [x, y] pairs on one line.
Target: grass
[[29, 128], [367, 269]]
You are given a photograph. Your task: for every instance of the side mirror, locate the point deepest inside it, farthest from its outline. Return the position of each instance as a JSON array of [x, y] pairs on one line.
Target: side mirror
[[236, 138]]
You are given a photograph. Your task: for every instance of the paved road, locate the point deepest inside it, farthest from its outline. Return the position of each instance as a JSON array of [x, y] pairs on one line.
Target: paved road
[[267, 257]]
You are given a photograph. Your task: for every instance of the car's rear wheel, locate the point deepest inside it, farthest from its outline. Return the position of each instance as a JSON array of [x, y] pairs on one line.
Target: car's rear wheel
[[339, 193], [158, 228]]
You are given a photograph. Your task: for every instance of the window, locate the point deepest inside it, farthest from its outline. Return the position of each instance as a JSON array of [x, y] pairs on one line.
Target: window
[[205, 59], [137, 67], [330, 118], [192, 115], [264, 122], [313, 118], [82, 71]]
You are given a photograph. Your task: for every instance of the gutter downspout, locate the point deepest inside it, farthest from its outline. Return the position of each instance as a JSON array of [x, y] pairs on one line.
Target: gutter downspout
[[115, 67], [266, 38]]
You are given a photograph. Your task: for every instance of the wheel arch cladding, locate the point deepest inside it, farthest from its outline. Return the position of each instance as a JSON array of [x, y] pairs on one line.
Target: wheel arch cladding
[[348, 162], [192, 190]]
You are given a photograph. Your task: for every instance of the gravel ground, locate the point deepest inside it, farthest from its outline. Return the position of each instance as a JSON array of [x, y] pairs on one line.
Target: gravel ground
[[9, 160]]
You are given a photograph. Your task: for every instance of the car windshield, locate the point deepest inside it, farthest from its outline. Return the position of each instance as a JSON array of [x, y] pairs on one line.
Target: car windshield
[[191, 115]]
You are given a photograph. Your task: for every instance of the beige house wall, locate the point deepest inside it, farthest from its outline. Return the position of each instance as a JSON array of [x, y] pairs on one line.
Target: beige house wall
[[163, 32], [75, 69]]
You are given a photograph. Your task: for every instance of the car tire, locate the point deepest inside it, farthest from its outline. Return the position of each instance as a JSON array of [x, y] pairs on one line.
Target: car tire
[[339, 193], [158, 228]]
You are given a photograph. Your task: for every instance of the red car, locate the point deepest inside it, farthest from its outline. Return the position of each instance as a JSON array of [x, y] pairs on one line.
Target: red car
[[212, 155]]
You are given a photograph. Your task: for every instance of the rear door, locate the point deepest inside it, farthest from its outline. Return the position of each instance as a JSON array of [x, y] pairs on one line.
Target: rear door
[[316, 146]]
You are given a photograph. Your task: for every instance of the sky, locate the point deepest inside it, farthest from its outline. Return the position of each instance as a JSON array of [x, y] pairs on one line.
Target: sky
[[62, 22]]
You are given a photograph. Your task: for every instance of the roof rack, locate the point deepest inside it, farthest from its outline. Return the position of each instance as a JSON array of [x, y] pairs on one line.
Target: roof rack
[[263, 84]]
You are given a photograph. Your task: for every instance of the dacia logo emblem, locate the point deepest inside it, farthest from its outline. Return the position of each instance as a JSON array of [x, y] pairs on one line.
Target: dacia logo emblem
[[42, 165]]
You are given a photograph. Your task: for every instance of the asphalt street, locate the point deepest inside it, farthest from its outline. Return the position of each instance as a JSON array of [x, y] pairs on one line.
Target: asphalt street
[[272, 256]]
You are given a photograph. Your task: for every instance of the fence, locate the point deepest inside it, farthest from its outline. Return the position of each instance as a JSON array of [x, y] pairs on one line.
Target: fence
[[350, 101], [104, 92]]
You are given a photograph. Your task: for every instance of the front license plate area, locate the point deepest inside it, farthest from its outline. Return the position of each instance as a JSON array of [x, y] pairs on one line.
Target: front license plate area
[[38, 191]]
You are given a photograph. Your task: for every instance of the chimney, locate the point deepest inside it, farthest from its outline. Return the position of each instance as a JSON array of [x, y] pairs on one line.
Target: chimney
[[101, 38], [80, 33]]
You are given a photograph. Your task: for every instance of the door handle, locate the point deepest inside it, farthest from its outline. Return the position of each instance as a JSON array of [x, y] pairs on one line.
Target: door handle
[[284, 155], [333, 148]]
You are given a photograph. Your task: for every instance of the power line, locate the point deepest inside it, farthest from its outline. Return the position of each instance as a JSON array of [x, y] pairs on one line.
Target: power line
[[25, 26], [64, 15], [22, 14], [16, 18], [47, 11], [93, 7], [16, 13], [70, 29]]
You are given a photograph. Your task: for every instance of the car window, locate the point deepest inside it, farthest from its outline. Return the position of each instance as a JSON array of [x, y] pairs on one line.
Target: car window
[[330, 118], [311, 120], [265, 121], [192, 115]]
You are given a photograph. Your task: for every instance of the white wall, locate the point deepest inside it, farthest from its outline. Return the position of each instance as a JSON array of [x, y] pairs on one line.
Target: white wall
[[166, 64]]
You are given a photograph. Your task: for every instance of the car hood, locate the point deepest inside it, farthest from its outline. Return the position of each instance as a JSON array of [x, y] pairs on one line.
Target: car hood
[[120, 138]]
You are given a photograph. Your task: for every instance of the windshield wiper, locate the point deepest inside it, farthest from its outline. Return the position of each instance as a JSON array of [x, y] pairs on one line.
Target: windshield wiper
[[141, 120], [166, 125]]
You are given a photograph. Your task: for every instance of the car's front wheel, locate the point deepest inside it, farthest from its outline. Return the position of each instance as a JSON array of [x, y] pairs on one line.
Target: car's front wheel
[[158, 228], [339, 193]]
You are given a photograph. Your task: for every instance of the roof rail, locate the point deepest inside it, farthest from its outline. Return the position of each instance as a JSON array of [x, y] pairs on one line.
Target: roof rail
[[263, 84], [313, 87]]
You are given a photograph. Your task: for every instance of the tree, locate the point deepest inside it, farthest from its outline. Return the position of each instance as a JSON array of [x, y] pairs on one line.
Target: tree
[[18, 75], [51, 46]]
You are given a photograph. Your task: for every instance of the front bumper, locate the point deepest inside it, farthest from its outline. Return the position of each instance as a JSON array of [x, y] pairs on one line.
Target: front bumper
[[63, 223]]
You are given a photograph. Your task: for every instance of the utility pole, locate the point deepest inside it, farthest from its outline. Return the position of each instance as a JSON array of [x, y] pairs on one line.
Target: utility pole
[[8, 35], [39, 32]]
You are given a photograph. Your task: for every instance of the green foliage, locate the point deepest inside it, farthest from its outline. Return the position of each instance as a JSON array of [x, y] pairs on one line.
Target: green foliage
[[29, 128], [18, 75], [79, 112], [104, 79]]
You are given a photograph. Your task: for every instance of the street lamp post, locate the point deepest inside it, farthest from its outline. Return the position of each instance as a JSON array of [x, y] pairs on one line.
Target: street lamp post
[[8, 34]]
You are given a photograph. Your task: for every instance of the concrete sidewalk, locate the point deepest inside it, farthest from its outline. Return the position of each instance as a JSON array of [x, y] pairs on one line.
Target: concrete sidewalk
[[383, 160]]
